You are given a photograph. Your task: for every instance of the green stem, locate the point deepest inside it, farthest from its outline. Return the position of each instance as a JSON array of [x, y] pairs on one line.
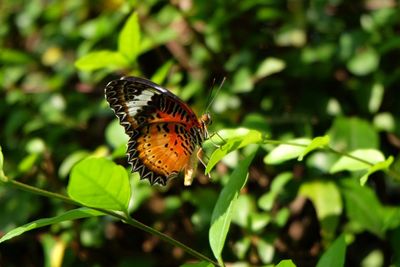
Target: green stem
[[126, 218], [168, 239], [332, 150], [349, 156]]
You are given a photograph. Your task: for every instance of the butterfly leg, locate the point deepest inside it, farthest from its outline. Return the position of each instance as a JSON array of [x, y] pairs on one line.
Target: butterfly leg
[[220, 137], [198, 154]]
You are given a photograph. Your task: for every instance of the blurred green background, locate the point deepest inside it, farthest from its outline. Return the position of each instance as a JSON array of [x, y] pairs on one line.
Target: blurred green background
[[293, 69]]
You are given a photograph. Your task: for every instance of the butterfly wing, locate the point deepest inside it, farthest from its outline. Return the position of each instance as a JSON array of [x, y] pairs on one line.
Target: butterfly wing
[[160, 151], [137, 101], [164, 132]]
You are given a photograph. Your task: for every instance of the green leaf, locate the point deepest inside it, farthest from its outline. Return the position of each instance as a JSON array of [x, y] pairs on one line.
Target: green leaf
[[100, 183], [384, 122], [70, 161], [115, 134], [349, 134], [327, 202], [364, 62], [286, 263], [67, 216], [222, 213], [241, 247], [258, 221], [129, 38], [270, 66], [244, 208], [162, 72], [102, 59], [391, 217], [240, 137], [12, 56], [266, 201], [198, 264], [376, 97], [2, 175], [363, 207], [335, 255], [286, 152], [383, 165], [242, 81], [1, 159], [346, 163], [266, 250], [27, 163], [316, 143]]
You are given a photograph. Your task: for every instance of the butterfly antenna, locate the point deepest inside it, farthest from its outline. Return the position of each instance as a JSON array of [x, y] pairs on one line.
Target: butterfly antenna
[[210, 95], [211, 98]]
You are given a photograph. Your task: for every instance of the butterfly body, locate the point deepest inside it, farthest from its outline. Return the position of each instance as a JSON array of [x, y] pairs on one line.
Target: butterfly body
[[165, 134]]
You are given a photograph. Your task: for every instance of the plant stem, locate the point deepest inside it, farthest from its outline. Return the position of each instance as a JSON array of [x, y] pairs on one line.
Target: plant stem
[[332, 150], [168, 239], [126, 218]]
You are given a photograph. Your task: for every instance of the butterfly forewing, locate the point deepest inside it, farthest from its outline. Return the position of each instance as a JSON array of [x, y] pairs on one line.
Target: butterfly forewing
[[164, 132]]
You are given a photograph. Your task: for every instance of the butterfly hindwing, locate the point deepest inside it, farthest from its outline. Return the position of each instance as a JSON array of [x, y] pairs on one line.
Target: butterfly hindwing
[[164, 149]]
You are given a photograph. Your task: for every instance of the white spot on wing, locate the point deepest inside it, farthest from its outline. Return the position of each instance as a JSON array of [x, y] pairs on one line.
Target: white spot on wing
[[145, 97], [138, 102], [133, 111]]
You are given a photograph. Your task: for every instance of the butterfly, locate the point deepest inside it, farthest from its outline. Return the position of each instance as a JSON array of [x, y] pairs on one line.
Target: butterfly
[[165, 135]]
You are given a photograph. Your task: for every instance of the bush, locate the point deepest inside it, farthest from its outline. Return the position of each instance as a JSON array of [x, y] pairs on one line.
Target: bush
[[303, 153]]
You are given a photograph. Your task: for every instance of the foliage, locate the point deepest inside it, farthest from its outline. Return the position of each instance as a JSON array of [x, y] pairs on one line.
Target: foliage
[[305, 168]]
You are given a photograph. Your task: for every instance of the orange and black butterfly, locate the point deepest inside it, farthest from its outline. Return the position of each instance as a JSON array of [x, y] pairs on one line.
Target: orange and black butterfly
[[165, 135]]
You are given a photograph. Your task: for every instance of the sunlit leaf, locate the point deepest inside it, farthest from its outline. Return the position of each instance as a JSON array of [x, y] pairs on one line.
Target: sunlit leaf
[[102, 59], [2, 176], [115, 134], [327, 202], [384, 121], [335, 255], [364, 62], [67, 216], [222, 213], [129, 38], [383, 165], [346, 163], [241, 247], [270, 66], [316, 143], [286, 152], [349, 134], [375, 100], [244, 208], [239, 138], [242, 81], [198, 264], [1, 159], [265, 250], [162, 72], [258, 221], [100, 183], [70, 161], [266, 201], [286, 263], [28, 162]]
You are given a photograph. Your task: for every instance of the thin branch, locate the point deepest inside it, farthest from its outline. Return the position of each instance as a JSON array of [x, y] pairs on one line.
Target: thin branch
[[124, 217], [389, 172]]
